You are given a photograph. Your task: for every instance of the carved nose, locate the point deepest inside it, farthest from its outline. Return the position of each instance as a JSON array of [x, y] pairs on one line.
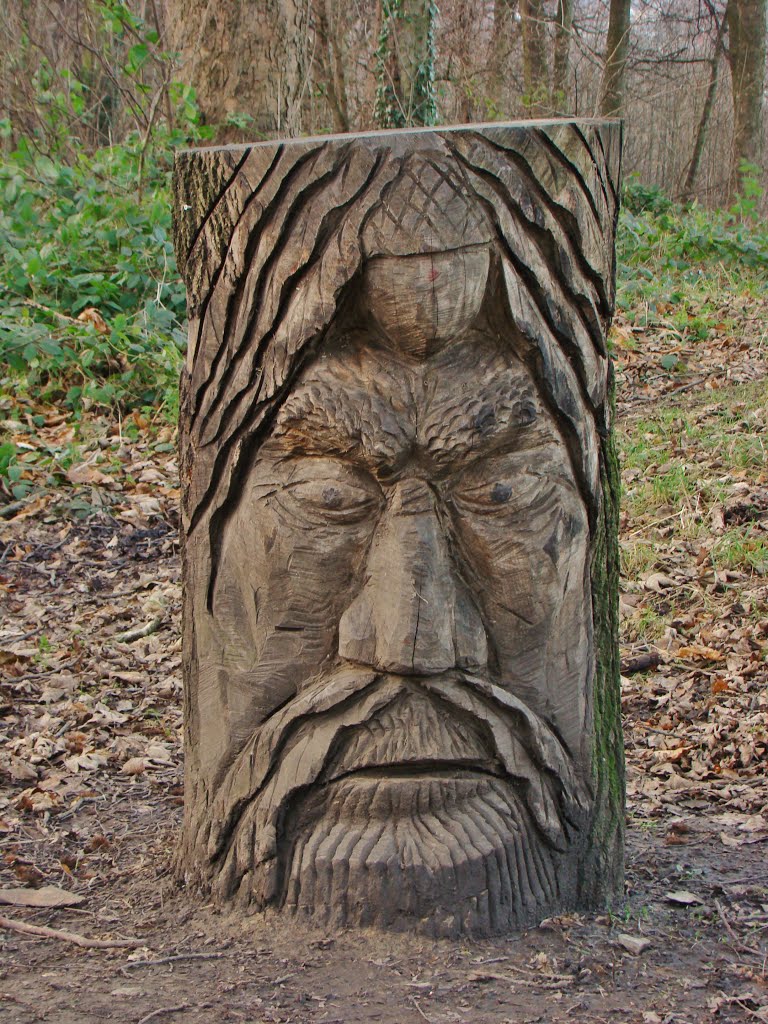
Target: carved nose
[[413, 615]]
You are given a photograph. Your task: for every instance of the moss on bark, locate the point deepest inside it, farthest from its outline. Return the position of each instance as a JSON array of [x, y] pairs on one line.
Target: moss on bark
[[603, 874]]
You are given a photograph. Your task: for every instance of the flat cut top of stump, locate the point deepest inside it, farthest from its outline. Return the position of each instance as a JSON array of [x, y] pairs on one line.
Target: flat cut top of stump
[[401, 140]]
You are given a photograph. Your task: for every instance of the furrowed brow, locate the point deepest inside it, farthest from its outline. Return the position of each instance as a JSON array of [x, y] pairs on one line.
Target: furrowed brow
[[332, 423], [491, 422]]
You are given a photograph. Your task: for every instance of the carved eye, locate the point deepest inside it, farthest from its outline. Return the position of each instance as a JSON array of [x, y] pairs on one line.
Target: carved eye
[[334, 500], [486, 498]]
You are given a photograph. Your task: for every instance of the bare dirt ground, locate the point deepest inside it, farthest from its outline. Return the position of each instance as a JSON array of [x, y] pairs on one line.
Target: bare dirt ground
[[90, 749]]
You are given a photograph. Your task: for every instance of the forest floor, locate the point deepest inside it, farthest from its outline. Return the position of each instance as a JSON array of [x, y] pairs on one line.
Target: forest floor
[[90, 748]]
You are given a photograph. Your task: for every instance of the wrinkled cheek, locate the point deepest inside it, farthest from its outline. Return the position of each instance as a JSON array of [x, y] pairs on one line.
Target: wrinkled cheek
[[511, 574], [282, 591], [526, 582], [521, 589]]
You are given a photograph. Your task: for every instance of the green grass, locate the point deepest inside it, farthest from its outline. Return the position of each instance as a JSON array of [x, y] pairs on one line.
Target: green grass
[[740, 551], [678, 466], [646, 627], [664, 450], [638, 558]]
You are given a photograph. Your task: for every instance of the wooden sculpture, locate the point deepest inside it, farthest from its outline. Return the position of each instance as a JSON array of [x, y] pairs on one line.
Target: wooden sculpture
[[400, 523]]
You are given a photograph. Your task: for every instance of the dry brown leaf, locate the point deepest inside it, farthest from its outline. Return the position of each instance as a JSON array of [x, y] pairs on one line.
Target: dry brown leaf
[[684, 898], [92, 316], [32, 508], [634, 944], [37, 801], [45, 896], [658, 582], [84, 473], [699, 652], [20, 770]]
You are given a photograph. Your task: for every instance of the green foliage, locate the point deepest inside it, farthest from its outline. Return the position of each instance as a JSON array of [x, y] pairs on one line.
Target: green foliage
[[112, 76], [668, 253], [746, 205], [638, 198], [10, 471], [91, 307], [394, 110], [81, 236]]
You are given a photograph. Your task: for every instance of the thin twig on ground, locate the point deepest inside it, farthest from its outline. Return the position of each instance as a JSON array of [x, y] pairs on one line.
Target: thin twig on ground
[[65, 936], [173, 959], [139, 632], [737, 943], [165, 1009], [52, 312], [419, 1009]]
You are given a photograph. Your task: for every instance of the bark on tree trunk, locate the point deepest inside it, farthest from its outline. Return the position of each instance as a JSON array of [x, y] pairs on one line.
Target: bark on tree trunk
[[406, 64], [329, 60], [244, 58], [745, 21], [563, 26], [706, 114], [504, 26], [535, 73], [615, 66]]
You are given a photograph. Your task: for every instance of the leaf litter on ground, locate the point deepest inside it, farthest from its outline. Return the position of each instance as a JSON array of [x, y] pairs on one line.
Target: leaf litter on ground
[[90, 651]]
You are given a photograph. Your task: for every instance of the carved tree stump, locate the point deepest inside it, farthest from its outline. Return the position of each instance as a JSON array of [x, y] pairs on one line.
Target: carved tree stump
[[400, 521]]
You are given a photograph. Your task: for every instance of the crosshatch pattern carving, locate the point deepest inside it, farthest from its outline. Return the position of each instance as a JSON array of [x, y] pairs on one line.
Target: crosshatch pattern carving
[[400, 501]]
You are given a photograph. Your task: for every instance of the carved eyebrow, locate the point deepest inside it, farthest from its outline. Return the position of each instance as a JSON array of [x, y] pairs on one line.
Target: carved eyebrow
[[488, 425], [321, 421], [370, 434]]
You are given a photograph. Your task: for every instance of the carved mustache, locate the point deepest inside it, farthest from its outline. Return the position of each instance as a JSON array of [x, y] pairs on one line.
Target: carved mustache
[[292, 748]]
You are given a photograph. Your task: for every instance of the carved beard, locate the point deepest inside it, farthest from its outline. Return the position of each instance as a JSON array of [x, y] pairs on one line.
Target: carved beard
[[439, 802]]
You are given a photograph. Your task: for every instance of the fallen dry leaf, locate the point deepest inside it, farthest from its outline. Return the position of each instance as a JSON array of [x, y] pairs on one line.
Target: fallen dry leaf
[[684, 898], [634, 944], [84, 473], [699, 651], [92, 316], [45, 896], [658, 582]]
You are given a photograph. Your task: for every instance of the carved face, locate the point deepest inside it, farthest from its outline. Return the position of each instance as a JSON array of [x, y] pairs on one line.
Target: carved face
[[398, 502], [403, 621]]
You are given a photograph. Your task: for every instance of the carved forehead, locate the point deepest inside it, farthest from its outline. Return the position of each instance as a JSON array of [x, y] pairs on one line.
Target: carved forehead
[[359, 399]]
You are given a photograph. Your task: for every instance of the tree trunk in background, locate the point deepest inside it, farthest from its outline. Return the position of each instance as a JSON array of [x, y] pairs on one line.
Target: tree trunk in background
[[504, 27], [563, 27], [534, 56], [706, 114], [243, 57], [330, 59], [745, 20], [405, 64], [614, 71]]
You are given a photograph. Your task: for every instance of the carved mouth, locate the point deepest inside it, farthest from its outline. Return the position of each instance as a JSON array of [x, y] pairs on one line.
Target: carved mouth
[[414, 742], [407, 771], [415, 734]]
